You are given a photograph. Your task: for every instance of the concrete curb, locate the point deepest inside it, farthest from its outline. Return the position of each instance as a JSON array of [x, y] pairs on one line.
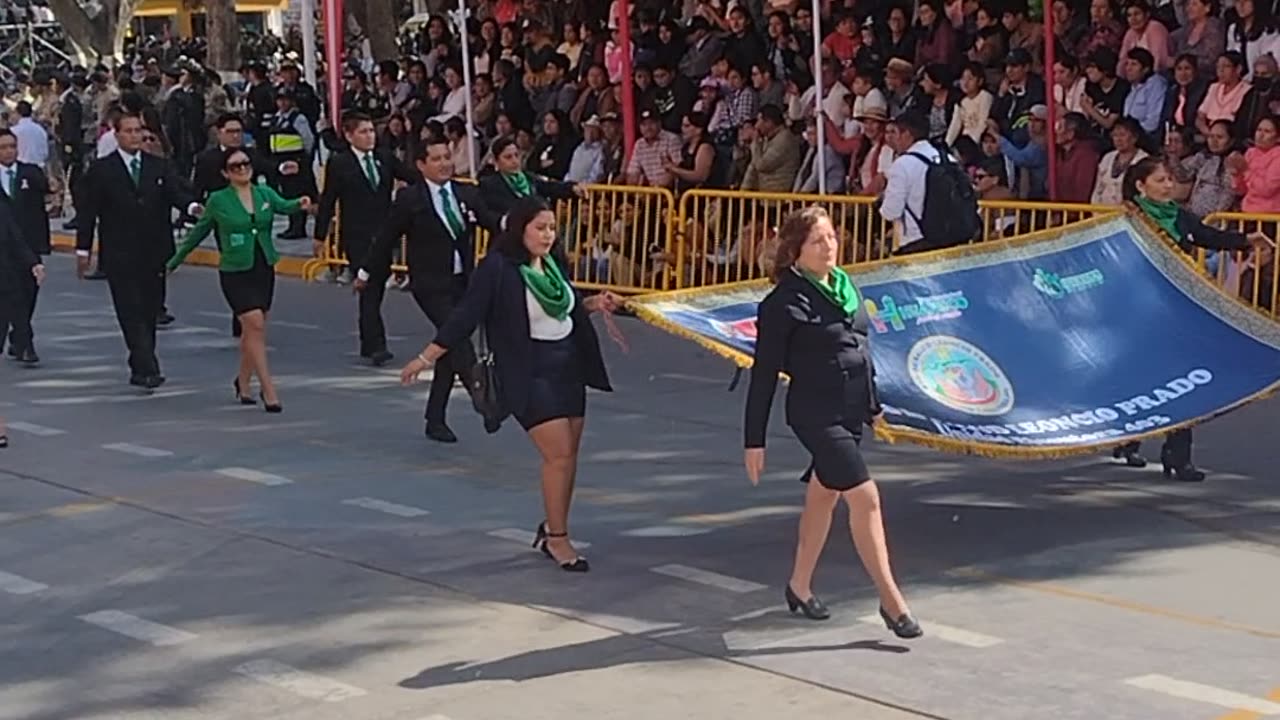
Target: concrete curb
[[288, 266]]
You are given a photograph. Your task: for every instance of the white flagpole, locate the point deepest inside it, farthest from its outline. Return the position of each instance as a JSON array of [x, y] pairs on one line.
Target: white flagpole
[[819, 160], [461, 21], [308, 28]]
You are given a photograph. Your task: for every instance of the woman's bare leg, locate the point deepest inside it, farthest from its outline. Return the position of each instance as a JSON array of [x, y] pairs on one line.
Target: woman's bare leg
[[555, 440], [815, 526], [867, 527]]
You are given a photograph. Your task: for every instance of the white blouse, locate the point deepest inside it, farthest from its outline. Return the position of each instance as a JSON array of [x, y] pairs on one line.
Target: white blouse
[[971, 117], [544, 327]]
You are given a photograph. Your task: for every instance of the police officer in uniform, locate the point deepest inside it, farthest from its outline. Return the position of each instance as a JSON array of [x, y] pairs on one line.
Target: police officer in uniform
[[291, 143]]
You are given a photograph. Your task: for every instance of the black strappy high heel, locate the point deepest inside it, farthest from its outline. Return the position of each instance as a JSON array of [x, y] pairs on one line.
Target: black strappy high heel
[[244, 399], [578, 564], [273, 409]]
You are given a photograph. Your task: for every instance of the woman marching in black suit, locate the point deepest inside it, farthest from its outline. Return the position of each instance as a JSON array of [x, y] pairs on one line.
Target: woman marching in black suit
[[813, 327], [546, 351], [1149, 189]]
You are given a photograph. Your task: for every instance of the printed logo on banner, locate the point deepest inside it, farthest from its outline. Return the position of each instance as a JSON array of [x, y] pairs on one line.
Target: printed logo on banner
[[932, 308], [737, 330], [1059, 286], [959, 376]]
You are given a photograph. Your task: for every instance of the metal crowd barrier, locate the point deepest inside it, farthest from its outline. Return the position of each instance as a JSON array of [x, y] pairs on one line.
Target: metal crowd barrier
[[637, 239], [1256, 284]]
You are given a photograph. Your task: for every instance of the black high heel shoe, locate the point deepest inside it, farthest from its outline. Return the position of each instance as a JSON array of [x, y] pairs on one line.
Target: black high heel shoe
[[904, 627], [244, 400], [4, 441], [578, 564], [811, 608], [1182, 472], [273, 409]]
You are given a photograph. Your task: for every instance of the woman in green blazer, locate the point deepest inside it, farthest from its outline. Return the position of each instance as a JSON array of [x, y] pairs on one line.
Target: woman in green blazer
[[241, 215]]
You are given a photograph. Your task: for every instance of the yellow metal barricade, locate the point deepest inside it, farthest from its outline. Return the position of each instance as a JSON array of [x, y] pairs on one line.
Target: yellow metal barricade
[[619, 238], [729, 236], [1010, 218], [1256, 283]]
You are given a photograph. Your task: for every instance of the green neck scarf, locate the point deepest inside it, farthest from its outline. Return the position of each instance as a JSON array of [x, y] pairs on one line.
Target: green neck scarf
[[1163, 214], [548, 287], [519, 182], [837, 288]]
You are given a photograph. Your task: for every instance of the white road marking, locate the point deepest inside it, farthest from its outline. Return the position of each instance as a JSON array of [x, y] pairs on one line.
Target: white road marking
[[706, 577], [295, 325], [389, 508], [314, 687], [956, 635], [526, 537], [139, 396], [139, 450], [123, 623], [755, 614], [666, 531], [1204, 693], [254, 476], [18, 585], [110, 334], [38, 430]]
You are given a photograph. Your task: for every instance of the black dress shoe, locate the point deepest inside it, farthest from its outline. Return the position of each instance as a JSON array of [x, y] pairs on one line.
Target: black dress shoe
[[380, 358], [164, 319], [811, 608], [13, 352], [904, 627], [28, 357], [96, 275], [149, 382], [440, 433]]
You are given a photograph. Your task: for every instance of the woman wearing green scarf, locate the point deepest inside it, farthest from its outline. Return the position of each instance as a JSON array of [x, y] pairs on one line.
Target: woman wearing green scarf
[[1149, 189], [545, 351], [813, 327], [502, 189]]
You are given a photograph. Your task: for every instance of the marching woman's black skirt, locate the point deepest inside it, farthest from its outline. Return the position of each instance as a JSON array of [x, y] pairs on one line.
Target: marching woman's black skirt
[[251, 289], [836, 457], [558, 390]]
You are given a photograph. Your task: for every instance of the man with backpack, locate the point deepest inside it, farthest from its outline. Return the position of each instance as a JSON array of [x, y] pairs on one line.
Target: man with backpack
[[928, 195]]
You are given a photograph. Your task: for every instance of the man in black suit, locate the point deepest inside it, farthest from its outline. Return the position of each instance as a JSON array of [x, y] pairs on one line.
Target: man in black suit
[[128, 196], [70, 130], [23, 188], [359, 180], [18, 264], [439, 219]]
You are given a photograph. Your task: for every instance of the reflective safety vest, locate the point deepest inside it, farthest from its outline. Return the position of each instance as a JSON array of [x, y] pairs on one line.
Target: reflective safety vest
[[284, 139]]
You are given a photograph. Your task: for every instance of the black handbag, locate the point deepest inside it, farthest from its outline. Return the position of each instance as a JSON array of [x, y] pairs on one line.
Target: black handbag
[[484, 390]]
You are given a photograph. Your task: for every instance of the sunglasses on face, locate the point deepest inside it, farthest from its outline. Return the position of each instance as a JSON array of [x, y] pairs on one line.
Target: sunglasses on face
[[239, 165]]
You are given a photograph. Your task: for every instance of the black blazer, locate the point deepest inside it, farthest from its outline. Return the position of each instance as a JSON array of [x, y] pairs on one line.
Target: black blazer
[[16, 256], [27, 206], [70, 124], [500, 197], [208, 176], [364, 208], [134, 223], [800, 332], [429, 244], [1194, 233], [496, 297]]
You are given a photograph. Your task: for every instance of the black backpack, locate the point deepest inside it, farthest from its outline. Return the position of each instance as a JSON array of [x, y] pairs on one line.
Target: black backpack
[[951, 215]]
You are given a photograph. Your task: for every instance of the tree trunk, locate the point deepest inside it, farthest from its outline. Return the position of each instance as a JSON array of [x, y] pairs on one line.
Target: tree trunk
[[100, 37], [224, 34]]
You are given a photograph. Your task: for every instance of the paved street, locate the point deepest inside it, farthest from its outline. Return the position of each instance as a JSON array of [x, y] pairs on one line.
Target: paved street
[[178, 556]]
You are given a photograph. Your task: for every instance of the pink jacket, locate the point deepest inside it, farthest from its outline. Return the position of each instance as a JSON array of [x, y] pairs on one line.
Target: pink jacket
[[1260, 183]]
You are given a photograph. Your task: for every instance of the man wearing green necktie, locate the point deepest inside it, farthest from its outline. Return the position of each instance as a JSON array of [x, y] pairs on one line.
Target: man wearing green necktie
[[23, 188]]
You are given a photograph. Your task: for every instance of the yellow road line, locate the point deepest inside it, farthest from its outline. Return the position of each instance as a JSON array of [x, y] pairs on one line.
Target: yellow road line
[[1249, 714], [1130, 605], [58, 511]]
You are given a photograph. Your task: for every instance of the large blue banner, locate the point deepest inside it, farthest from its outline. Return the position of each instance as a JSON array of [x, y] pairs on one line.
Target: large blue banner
[[1096, 335]]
